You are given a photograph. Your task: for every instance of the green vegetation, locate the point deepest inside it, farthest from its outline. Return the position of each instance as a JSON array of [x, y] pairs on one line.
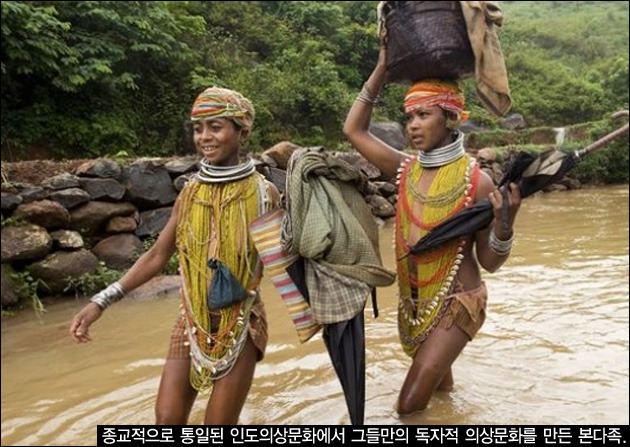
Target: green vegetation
[[13, 221], [608, 165], [27, 290], [117, 77], [85, 285], [568, 61], [91, 283]]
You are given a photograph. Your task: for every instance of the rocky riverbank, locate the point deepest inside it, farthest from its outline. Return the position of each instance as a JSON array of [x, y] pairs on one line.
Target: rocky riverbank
[[65, 220]]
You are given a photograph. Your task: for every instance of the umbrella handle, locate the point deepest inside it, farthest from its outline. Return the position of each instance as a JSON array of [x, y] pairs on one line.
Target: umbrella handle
[[505, 212], [606, 139]]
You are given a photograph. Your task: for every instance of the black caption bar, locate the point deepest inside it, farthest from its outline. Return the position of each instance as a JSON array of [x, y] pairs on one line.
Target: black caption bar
[[377, 435]]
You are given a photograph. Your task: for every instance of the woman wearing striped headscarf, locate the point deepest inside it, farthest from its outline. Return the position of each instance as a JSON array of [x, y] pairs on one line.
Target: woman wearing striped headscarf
[[442, 298], [221, 330]]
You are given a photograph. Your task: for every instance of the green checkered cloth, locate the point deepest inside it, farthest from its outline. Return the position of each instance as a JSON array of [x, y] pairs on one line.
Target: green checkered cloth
[[329, 223]]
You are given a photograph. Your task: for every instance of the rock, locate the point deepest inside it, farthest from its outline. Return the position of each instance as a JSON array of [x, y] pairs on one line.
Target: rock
[[370, 189], [152, 222], [380, 206], [515, 121], [120, 251], [182, 165], [386, 189], [54, 271], [89, 218], [121, 225], [102, 168], [25, 243], [148, 184], [67, 239], [10, 286], [61, 181], [570, 183], [487, 154], [45, 213], [10, 201], [360, 163], [159, 285], [276, 176], [71, 197], [391, 133], [471, 126], [33, 193], [181, 181], [268, 161], [103, 189], [555, 187]]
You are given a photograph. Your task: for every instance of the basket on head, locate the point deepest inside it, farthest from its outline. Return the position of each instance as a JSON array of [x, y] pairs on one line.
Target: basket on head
[[427, 39]]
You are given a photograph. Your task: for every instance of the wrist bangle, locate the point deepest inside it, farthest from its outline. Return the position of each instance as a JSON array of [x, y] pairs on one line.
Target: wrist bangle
[[498, 246], [365, 96], [108, 296]]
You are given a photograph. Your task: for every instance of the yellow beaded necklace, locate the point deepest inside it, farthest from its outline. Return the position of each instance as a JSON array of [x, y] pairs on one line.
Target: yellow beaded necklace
[[213, 222], [424, 280]]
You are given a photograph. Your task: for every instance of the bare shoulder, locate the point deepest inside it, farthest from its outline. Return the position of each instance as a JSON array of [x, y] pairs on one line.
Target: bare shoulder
[[486, 186], [273, 192]]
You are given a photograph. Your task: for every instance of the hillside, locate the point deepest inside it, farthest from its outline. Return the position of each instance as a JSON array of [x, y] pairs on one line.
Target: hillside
[[86, 79]]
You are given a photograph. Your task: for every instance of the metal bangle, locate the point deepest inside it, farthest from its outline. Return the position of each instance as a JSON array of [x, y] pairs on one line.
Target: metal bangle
[[108, 296], [366, 97], [498, 246]]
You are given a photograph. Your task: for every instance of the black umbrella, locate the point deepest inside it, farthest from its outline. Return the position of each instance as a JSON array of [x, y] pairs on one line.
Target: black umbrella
[[345, 342], [530, 173]]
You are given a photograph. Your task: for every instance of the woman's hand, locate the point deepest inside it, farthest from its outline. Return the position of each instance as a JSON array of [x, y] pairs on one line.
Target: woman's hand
[[505, 205], [80, 327]]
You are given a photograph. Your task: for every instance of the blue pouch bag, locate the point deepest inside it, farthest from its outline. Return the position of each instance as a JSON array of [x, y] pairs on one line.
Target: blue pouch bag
[[225, 289]]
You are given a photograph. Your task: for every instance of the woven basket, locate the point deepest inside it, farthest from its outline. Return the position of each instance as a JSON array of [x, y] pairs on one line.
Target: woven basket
[[427, 40]]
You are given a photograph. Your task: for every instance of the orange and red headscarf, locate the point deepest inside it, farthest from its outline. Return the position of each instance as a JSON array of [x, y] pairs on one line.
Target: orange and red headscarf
[[216, 102], [436, 92]]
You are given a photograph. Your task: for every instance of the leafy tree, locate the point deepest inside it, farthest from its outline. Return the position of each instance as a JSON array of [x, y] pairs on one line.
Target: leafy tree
[[110, 63], [98, 77]]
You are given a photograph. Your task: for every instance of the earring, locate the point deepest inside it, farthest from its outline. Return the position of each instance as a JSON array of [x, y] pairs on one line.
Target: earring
[[452, 124]]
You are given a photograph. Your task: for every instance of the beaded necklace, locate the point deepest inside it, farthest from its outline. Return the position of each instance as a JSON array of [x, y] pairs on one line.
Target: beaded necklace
[[213, 222], [425, 280]]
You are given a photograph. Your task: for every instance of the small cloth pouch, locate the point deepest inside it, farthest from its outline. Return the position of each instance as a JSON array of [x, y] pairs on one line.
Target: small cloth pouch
[[224, 290]]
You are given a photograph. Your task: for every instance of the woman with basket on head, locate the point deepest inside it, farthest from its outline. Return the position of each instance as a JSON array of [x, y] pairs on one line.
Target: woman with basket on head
[[442, 298]]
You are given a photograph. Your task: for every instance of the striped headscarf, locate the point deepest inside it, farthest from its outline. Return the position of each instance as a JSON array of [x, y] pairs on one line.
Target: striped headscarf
[[436, 92], [216, 102]]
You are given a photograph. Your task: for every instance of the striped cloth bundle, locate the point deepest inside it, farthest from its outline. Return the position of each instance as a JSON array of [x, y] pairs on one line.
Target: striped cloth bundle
[[266, 233]]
